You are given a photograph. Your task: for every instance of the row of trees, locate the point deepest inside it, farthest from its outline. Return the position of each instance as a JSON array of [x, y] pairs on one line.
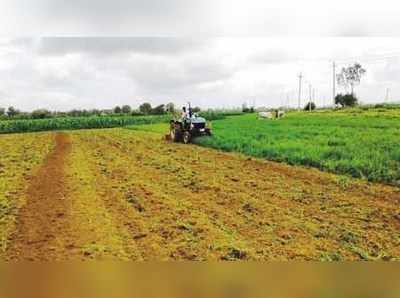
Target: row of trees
[[144, 109]]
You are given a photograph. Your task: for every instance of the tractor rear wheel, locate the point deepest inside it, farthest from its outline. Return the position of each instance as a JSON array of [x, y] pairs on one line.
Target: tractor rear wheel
[[186, 137]]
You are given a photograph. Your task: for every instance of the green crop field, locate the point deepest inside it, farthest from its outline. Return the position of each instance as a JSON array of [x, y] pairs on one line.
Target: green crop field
[[71, 123], [363, 144], [66, 123]]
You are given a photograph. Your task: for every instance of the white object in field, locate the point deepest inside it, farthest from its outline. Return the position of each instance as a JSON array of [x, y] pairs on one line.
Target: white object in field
[[281, 114], [265, 115]]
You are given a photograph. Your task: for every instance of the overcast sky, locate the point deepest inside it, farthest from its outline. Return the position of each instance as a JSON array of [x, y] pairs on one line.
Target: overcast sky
[[65, 73], [204, 17], [202, 51]]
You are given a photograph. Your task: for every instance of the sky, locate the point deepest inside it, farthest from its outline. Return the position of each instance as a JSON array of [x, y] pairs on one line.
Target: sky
[[195, 17], [62, 55]]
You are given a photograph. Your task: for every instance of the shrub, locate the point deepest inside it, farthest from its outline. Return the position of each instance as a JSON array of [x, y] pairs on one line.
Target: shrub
[[158, 110], [126, 109], [12, 112], [347, 100], [117, 110], [41, 114], [307, 106], [145, 108]]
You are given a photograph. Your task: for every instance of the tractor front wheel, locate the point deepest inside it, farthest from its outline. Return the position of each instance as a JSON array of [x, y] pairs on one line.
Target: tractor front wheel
[[186, 137], [175, 135]]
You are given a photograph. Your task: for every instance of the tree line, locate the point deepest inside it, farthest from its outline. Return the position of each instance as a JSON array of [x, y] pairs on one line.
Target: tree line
[[124, 110]]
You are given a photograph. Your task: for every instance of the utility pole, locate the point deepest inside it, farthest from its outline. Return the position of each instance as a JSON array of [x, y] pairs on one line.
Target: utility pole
[[287, 101], [309, 104], [299, 100], [334, 83], [387, 95]]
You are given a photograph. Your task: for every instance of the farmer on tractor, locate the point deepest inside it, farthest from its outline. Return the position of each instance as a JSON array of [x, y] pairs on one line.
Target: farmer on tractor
[[187, 114], [184, 114]]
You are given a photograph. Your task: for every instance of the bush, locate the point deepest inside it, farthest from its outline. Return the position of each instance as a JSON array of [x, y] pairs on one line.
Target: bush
[[117, 110], [145, 108], [196, 110], [12, 112], [347, 100], [41, 114], [158, 110], [126, 109], [307, 106]]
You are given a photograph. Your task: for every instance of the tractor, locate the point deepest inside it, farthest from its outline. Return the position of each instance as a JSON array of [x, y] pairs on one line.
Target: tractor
[[186, 128]]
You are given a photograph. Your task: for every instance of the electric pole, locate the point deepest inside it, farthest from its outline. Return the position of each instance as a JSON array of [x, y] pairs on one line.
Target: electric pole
[[334, 83], [309, 104], [287, 101], [299, 100], [387, 95]]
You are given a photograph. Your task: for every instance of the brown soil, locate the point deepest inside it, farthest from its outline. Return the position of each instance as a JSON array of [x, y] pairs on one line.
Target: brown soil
[[120, 194], [186, 202], [42, 226]]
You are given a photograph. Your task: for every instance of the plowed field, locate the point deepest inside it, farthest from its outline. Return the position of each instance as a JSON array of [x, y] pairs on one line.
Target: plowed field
[[129, 195]]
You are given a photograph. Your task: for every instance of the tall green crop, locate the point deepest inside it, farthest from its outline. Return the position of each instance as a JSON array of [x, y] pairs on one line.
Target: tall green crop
[[16, 126]]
